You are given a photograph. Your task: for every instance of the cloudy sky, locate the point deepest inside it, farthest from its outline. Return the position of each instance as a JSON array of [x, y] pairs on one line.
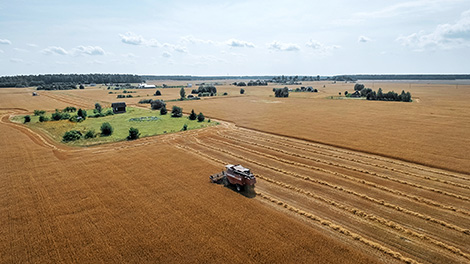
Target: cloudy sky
[[304, 37]]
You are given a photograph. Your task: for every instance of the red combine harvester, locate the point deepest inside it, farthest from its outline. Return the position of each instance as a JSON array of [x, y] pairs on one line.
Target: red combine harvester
[[235, 175]]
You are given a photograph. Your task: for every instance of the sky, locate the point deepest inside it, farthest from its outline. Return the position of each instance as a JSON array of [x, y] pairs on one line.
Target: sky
[[208, 38]]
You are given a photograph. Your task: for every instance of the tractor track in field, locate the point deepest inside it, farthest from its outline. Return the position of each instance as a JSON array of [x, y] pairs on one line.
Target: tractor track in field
[[360, 181], [367, 156], [395, 227], [354, 169], [346, 190], [394, 170]]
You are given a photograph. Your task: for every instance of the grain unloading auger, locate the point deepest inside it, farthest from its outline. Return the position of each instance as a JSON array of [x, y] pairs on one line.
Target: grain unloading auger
[[235, 175]]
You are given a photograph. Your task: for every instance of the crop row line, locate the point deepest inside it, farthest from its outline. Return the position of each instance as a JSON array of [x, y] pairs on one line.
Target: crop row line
[[357, 153], [321, 221], [349, 159], [340, 229], [369, 217], [419, 199], [339, 188]]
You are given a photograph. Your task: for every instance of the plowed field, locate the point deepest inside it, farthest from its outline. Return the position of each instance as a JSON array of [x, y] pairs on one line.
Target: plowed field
[[150, 200]]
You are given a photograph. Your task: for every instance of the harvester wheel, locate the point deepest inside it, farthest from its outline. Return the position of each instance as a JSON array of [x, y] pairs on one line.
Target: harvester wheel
[[226, 182], [239, 188]]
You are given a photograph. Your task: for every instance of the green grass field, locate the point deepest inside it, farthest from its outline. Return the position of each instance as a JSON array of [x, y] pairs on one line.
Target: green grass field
[[149, 123]]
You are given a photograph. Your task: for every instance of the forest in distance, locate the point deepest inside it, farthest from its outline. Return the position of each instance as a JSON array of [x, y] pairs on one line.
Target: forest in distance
[[46, 79]]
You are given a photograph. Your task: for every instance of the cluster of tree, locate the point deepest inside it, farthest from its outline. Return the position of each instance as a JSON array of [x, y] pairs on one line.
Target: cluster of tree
[[47, 79], [404, 77], [176, 111], [251, 83], [106, 130], [242, 91], [306, 89], [57, 86], [205, 88], [145, 101], [281, 92], [157, 104], [200, 117], [380, 95], [124, 96], [157, 93], [98, 111], [294, 79]]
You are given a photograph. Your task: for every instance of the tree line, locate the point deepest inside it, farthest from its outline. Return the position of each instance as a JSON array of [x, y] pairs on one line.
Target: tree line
[[381, 96], [48, 79]]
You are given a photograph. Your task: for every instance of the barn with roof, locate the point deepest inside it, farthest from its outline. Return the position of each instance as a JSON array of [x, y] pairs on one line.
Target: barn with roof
[[119, 107]]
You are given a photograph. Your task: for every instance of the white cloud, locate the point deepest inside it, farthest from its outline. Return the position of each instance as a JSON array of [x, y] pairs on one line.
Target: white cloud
[[88, 50], [239, 43], [166, 54], [129, 55], [193, 40], [364, 39], [15, 60], [321, 48], [5, 42], [408, 7], [445, 36], [1, 51], [32, 45], [20, 50], [54, 50], [276, 45], [176, 48], [132, 39], [96, 62]]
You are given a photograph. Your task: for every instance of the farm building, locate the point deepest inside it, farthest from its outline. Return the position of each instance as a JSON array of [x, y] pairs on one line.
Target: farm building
[[144, 85], [119, 107]]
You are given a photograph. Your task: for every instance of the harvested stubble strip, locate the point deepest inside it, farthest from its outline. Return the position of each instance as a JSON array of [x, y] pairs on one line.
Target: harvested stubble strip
[[349, 159], [340, 229], [370, 217], [372, 156], [380, 187], [339, 188], [319, 220], [461, 197]]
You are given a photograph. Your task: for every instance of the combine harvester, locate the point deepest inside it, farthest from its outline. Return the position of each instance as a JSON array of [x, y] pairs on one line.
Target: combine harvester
[[235, 175]]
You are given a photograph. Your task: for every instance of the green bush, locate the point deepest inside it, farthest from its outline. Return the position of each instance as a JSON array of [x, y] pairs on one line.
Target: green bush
[[242, 91], [27, 118], [200, 117], [193, 115], [81, 113], [163, 110], [176, 111], [71, 135], [39, 112], [185, 127], [43, 118], [157, 104], [98, 108], [69, 109], [106, 129], [109, 112], [90, 134], [133, 134], [145, 101]]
